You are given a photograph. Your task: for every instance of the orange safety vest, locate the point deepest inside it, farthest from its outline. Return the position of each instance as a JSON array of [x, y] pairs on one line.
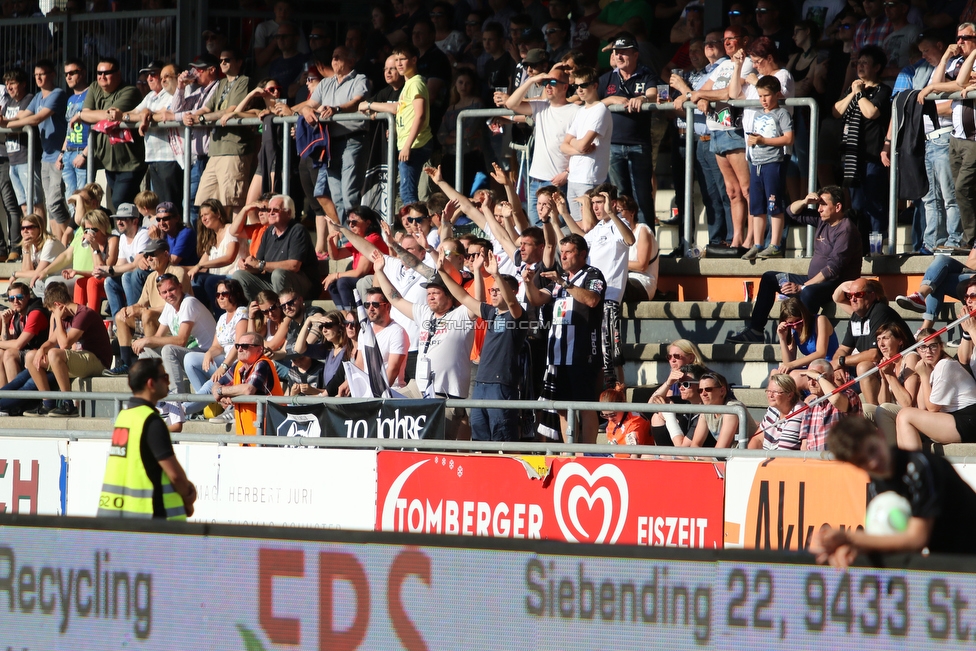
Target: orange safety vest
[[246, 413]]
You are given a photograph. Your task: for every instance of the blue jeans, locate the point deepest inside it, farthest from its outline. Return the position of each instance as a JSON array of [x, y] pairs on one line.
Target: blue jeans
[[942, 222], [944, 275], [19, 177], [74, 178], [410, 173], [341, 291], [718, 212], [196, 171], [115, 293], [193, 365], [132, 284], [573, 190], [23, 382], [346, 172], [871, 197], [534, 185], [631, 168], [494, 424]]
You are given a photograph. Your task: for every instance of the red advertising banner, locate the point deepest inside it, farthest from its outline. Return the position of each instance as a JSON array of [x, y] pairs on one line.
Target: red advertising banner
[[581, 499]]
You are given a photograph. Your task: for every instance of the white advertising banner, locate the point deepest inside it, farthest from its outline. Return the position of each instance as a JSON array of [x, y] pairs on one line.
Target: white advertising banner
[[32, 473]]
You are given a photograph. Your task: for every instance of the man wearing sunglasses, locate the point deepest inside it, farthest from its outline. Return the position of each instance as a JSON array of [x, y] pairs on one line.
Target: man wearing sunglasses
[[253, 375], [181, 239], [109, 99], [861, 299], [24, 327], [587, 140], [73, 160], [132, 242]]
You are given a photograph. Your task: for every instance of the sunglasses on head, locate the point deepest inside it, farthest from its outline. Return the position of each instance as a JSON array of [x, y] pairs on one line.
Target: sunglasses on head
[[164, 277]]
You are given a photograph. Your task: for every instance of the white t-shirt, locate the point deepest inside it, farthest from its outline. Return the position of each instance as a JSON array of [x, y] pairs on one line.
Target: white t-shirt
[[551, 124], [49, 252], [221, 249], [408, 282], [226, 331], [391, 340], [157, 140], [749, 114], [609, 254], [952, 387], [448, 355], [648, 277], [591, 168], [204, 326], [128, 250]]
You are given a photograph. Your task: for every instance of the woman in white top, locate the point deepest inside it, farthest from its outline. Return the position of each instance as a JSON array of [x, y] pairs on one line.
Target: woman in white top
[[218, 249], [40, 249], [946, 411], [204, 368], [643, 260]]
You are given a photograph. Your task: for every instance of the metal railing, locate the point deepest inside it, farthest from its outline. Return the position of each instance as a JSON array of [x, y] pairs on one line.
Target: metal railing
[[33, 160], [287, 151], [571, 409]]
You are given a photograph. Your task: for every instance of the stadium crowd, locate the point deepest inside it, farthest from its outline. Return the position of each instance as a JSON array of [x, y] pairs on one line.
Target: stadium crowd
[[479, 290]]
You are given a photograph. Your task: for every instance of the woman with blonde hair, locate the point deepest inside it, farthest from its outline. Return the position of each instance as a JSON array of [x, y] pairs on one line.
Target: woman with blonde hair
[[39, 248], [80, 203], [783, 398], [681, 352], [218, 249], [336, 348], [93, 245]]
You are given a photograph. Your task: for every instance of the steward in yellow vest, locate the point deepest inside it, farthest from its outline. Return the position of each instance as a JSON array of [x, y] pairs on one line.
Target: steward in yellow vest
[[143, 478]]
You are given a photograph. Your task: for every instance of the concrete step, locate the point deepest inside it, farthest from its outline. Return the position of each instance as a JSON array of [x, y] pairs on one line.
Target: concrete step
[[875, 266], [105, 424]]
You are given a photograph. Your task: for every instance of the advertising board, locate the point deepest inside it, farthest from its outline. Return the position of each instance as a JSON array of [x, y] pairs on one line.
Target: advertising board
[[32, 475]]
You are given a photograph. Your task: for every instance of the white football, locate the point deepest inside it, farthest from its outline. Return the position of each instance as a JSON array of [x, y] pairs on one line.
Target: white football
[[887, 514]]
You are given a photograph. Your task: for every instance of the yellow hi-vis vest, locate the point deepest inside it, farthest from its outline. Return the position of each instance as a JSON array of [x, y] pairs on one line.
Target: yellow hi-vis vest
[[127, 491]]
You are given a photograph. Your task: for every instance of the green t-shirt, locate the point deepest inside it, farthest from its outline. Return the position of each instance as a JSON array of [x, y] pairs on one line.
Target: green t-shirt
[[230, 141], [81, 258], [123, 157], [618, 13], [412, 89]]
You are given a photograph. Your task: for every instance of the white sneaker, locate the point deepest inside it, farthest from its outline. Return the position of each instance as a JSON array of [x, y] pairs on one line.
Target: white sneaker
[[224, 418]]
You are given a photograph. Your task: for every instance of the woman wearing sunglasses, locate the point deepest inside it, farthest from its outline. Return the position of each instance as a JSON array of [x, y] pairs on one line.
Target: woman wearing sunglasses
[[717, 430], [624, 427], [802, 339], [332, 375], [93, 245], [39, 248], [783, 398], [946, 411], [681, 352], [364, 222], [673, 429]]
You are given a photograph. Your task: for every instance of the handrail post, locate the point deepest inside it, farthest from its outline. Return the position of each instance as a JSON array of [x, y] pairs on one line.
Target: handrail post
[[893, 184], [90, 159], [689, 205], [459, 153], [570, 425], [31, 169], [812, 164], [743, 435], [187, 169], [285, 160], [391, 167]]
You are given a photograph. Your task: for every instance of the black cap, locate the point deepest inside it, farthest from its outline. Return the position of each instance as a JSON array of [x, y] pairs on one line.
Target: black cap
[[205, 60], [154, 66], [155, 246], [436, 282], [624, 43], [214, 29], [536, 57]]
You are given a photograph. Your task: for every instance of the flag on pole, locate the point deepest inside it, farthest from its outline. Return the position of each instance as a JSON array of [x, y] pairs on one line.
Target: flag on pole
[[372, 357]]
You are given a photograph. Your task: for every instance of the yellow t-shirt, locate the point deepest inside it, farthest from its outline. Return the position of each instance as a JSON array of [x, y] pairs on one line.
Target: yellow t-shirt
[[412, 89]]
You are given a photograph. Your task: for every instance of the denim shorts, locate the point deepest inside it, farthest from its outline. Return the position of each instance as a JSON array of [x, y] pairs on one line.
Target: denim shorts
[[19, 179], [322, 184], [724, 141]]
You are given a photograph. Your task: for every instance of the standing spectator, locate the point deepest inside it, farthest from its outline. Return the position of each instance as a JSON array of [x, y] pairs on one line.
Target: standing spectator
[[615, 18], [40, 248], [773, 28], [558, 38], [184, 324], [46, 113], [285, 257], [266, 46], [873, 29], [252, 375], [150, 304], [576, 292], [497, 73], [435, 68], [231, 154], [194, 88], [180, 237], [108, 99], [450, 41], [165, 173], [16, 104], [341, 93], [412, 122], [287, 68], [71, 324], [132, 241], [866, 110], [74, 160], [391, 338], [218, 249], [899, 44], [633, 85], [819, 418], [24, 326], [836, 258], [587, 141]]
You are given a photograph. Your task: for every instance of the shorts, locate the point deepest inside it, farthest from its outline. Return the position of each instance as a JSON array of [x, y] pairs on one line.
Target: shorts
[[612, 354], [19, 179], [322, 184], [966, 423], [226, 179], [725, 141], [576, 383], [83, 363], [766, 188]]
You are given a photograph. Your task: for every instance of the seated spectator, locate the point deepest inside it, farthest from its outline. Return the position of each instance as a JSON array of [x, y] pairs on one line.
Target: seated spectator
[[643, 257], [249, 225], [899, 381], [449, 40], [946, 411], [365, 223], [773, 433], [818, 418], [836, 258], [296, 312], [40, 248], [80, 202], [184, 324], [391, 338], [674, 429], [181, 238], [23, 383], [78, 257], [285, 258], [337, 348], [717, 430], [150, 304], [865, 301], [24, 327], [218, 250], [681, 352], [204, 368], [946, 275], [253, 374], [802, 339], [98, 235], [132, 241], [71, 324], [624, 427], [266, 317], [499, 370]]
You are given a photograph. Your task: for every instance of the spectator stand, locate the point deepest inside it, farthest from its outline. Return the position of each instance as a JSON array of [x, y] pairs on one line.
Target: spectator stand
[[33, 160]]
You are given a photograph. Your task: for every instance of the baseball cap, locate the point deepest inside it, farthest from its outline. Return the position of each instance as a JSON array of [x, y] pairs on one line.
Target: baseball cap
[[536, 56], [164, 208], [155, 246], [154, 66], [624, 43], [205, 60], [126, 210], [436, 282]]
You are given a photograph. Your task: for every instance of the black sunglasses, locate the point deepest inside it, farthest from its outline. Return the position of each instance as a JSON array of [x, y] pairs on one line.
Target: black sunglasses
[[246, 346], [105, 73], [376, 304], [290, 303], [270, 309], [585, 85]]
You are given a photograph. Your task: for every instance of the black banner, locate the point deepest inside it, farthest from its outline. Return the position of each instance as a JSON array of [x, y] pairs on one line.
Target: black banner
[[391, 419]]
